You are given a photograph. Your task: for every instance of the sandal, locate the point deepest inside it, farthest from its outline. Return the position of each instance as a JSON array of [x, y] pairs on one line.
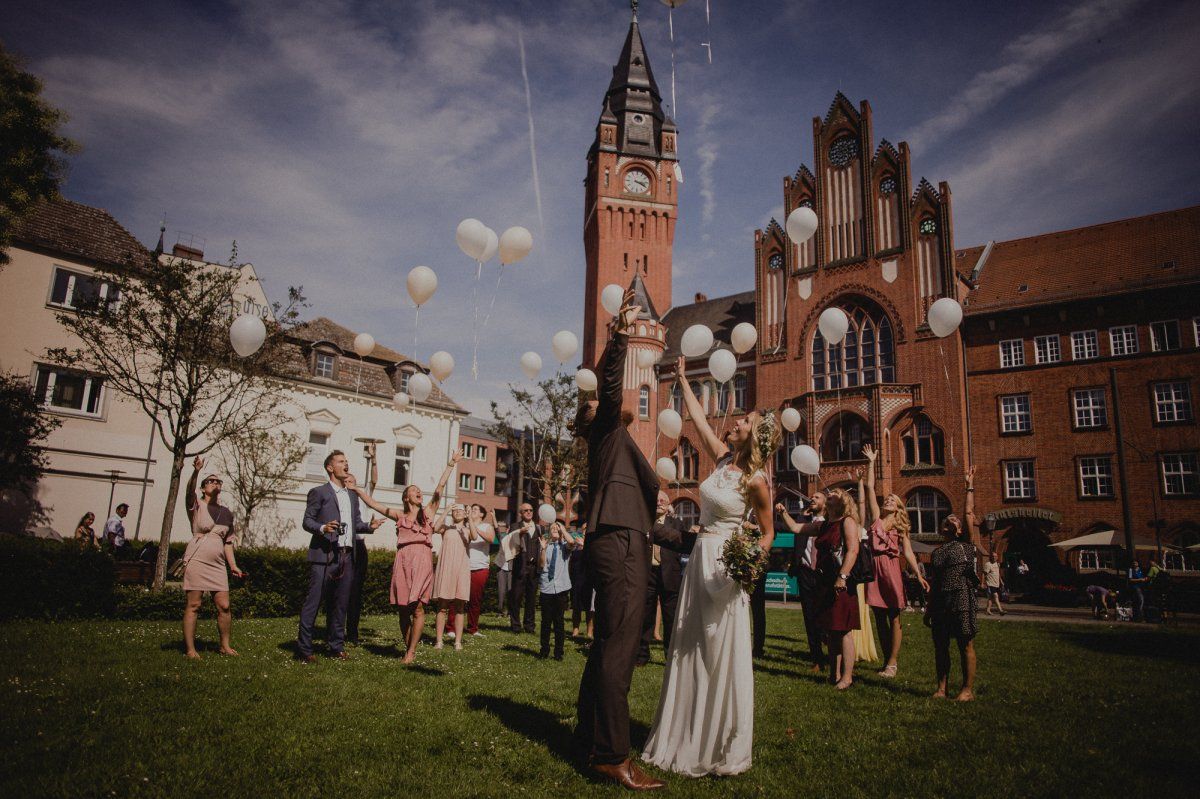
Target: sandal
[[889, 672]]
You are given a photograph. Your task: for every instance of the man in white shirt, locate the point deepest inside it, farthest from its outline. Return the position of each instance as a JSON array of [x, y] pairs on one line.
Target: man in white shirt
[[504, 562], [807, 579], [114, 531]]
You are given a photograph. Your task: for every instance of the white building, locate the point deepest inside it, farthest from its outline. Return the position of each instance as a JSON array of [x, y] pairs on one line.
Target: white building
[[104, 453]]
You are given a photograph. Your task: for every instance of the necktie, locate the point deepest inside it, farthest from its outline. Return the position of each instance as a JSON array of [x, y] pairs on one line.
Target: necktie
[[553, 562]]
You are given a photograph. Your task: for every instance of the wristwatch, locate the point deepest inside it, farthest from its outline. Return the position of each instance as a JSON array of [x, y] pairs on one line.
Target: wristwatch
[[845, 577]]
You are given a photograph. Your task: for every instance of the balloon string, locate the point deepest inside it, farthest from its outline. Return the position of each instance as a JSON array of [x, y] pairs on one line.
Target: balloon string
[[487, 318], [416, 317], [475, 320], [949, 390]]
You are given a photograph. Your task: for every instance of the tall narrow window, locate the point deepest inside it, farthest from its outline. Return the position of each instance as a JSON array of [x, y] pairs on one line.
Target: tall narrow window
[[677, 399], [740, 392], [689, 461], [402, 468], [923, 444], [318, 448], [644, 402]]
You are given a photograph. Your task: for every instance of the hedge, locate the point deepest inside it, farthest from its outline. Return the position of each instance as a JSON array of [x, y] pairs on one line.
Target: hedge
[[42, 579]]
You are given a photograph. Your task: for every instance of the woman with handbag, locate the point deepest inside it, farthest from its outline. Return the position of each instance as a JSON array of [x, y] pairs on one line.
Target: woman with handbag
[[950, 612], [208, 559]]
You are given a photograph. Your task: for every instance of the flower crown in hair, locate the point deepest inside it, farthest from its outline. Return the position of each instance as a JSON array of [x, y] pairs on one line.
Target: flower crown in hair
[[764, 433]]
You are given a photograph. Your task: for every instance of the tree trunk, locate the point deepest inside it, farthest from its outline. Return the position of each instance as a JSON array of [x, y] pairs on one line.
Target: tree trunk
[[164, 537]]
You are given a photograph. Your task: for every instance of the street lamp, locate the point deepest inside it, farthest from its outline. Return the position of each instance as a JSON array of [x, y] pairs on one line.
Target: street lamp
[[369, 445], [112, 479]]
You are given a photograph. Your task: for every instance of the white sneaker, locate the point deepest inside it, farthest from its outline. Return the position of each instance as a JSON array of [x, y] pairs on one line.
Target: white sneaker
[[478, 634], [450, 636]]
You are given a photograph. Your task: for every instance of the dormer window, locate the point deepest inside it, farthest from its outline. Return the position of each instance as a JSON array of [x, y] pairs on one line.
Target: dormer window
[[325, 365]]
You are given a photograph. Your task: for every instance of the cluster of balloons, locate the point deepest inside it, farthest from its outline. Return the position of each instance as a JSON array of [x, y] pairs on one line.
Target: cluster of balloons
[[480, 243]]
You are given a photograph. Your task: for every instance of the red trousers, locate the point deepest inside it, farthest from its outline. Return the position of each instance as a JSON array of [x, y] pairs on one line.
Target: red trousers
[[475, 604]]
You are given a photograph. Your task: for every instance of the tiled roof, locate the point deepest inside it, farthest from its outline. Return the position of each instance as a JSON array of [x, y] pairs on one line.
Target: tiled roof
[[1157, 250], [372, 375], [71, 228], [720, 314]]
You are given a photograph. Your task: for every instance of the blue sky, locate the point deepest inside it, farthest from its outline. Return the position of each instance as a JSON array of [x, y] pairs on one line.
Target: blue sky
[[340, 143]]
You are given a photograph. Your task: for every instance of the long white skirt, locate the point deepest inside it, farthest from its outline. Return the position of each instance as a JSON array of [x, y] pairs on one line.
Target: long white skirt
[[705, 719]]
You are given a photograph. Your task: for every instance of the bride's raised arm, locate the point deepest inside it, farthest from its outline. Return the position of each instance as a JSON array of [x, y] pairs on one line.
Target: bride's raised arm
[[711, 442]]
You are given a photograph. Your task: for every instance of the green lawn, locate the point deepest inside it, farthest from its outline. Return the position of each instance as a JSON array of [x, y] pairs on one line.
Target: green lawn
[[113, 709]]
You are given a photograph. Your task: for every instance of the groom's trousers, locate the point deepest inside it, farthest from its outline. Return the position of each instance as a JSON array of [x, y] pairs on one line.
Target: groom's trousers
[[617, 563], [336, 590]]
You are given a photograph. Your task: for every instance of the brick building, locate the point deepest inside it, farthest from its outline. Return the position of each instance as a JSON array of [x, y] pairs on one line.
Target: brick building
[[484, 471], [884, 252]]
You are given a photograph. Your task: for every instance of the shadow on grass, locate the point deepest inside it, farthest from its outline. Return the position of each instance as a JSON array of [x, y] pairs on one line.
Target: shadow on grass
[[534, 723], [384, 650], [1152, 643], [523, 650]]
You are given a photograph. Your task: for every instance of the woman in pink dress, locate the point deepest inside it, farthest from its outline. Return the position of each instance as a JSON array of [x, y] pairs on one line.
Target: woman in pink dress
[[452, 578], [207, 559], [412, 571], [890, 541]]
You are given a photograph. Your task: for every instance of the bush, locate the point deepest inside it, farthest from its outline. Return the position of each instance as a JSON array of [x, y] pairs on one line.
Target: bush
[[42, 579]]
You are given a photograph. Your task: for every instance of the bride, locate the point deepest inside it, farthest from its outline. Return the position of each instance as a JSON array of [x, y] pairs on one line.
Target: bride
[[705, 719]]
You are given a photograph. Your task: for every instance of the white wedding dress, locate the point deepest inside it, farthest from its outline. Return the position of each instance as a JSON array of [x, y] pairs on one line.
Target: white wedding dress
[[705, 719]]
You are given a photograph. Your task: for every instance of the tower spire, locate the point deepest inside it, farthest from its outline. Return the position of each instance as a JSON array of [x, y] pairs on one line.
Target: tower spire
[[633, 4]]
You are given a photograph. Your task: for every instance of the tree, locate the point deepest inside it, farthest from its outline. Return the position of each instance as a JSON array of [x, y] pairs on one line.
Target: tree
[[544, 448], [260, 465], [22, 458], [32, 151], [159, 336]]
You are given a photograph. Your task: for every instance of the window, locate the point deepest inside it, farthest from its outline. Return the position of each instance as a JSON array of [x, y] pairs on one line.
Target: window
[[688, 512], [464, 482], [1084, 345], [77, 290], [318, 448], [1179, 561], [404, 375], [1164, 336], [865, 356], [923, 444], [481, 453], [1090, 408], [1179, 474], [324, 365], [701, 395], [1012, 353], [1172, 402], [1196, 330], [783, 455], [403, 466], [1095, 476], [644, 402], [844, 438], [1046, 349], [677, 399], [1097, 559], [689, 460], [722, 391], [1123, 340], [480, 483], [1018, 480], [467, 450], [74, 392], [927, 509], [740, 398], [1015, 414]]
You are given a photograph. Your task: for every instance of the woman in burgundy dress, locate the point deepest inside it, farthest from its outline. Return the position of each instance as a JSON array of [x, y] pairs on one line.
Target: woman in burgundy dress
[[889, 536], [412, 571]]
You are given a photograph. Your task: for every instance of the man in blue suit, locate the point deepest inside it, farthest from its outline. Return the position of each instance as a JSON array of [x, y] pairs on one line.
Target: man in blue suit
[[333, 517]]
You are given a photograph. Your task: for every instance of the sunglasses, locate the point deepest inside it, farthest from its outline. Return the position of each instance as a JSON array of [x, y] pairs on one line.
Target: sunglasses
[[212, 480]]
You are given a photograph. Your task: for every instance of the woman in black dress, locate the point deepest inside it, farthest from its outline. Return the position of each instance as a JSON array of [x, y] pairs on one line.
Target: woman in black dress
[[950, 610]]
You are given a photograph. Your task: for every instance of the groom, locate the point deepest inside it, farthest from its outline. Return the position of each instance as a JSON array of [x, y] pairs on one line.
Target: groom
[[622, 492]]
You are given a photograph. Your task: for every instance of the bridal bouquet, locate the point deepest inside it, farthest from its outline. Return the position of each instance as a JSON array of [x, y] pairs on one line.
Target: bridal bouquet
[[743, 558]]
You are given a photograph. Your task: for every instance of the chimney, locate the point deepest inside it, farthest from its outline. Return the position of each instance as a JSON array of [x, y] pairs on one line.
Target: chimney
[[701, 297], [186, 251]]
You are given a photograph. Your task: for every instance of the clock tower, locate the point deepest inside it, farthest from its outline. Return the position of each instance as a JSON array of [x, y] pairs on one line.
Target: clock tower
[[630, 199]]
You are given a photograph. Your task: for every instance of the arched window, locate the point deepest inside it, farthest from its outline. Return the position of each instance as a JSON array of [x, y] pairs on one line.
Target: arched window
[[688, 460], [644, 402], [783, 455], [677, 399], [844, 437], [722, 394], [688, 512], [865, 356], [927, 509], [698, 390], [740, 397], [923, 444]]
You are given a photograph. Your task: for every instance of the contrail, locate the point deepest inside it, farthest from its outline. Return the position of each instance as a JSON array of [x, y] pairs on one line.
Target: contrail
[[537, 184]]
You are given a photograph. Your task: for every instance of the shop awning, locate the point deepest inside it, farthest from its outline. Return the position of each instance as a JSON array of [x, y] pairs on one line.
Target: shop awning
[[1107, 538]]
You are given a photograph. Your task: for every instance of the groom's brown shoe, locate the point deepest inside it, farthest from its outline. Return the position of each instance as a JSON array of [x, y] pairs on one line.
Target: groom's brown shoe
[[627, 775]]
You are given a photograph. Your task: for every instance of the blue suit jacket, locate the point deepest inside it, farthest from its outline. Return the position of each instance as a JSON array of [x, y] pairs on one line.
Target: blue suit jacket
[[323, 508]]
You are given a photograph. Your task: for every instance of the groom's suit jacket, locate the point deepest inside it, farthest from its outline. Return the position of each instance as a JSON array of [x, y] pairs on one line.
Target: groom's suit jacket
[[323, 507], [622, 486]]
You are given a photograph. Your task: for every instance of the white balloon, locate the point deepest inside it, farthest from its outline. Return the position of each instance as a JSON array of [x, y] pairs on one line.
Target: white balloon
[[422, 282], [790, 419], [611, 298], [721, 365], [546, 513], [472, 238], [247, 334], [944, 317], [801, 224], [586, 380], [646, 358], [441, 364], [420, 386], [531, 364], [493, 244], [565, 344], [669, 423], [806, 459], [400, 400], [833, 324], [665, 469], [696, 341], [364, 344], [743, 338], [515, 244]]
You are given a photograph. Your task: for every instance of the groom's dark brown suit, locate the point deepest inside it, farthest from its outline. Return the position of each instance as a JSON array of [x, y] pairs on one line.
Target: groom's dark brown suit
[[622, 492]]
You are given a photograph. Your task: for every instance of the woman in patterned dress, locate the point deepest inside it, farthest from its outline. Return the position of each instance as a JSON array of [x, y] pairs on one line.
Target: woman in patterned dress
[[208, 559], [950, 612], [452, 578]]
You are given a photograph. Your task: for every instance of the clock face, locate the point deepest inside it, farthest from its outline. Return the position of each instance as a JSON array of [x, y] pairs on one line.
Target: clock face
[[637, 182], [843, 151]]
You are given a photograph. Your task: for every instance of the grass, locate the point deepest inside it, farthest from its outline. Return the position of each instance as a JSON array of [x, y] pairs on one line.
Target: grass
[[113, 709]]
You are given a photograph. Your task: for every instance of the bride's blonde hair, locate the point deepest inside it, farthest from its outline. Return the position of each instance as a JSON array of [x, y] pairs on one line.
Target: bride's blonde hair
[[849, 507], [763, 443]]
